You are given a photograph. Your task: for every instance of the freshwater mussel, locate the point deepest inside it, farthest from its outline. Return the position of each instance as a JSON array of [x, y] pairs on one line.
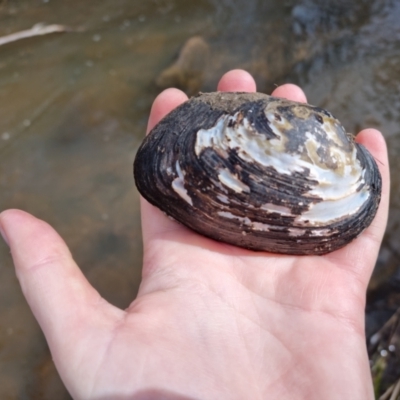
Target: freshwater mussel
[[259, 172]]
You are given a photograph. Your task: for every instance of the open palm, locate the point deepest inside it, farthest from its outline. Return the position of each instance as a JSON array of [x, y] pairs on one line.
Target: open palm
[[211, 321]]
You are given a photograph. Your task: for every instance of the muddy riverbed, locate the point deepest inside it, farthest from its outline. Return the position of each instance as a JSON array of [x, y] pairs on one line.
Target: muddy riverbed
[[74, 107]]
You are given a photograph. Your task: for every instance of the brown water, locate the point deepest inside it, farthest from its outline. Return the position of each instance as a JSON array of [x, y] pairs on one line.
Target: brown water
[[73, 110]]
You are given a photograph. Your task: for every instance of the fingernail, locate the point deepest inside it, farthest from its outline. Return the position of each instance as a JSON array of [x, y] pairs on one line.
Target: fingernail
[[3, 234]]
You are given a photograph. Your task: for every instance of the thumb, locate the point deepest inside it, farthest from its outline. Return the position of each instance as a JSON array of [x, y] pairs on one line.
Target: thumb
[[64, 303]]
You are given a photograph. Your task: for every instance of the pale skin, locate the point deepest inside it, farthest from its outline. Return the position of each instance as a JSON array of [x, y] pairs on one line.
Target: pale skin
[[211, 321]]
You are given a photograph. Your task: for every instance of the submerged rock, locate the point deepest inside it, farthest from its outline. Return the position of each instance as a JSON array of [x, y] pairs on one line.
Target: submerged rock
[[187, 72]]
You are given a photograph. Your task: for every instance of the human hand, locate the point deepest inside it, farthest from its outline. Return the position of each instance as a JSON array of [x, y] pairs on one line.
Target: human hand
[[211, 321]]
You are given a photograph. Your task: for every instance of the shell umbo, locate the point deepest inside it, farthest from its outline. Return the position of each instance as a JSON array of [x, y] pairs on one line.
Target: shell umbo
[[259, 172]]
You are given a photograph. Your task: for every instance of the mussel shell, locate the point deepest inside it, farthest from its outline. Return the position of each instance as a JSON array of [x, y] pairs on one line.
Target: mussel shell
[[259, 172]]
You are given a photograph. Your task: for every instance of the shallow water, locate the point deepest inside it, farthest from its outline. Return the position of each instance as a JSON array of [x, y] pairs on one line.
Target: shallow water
[[73, 110]]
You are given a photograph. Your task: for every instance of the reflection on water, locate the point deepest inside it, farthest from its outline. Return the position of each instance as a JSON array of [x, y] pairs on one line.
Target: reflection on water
[[73, 110]]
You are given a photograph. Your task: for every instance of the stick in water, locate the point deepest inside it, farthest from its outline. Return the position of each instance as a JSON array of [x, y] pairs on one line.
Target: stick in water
[[36, 30]]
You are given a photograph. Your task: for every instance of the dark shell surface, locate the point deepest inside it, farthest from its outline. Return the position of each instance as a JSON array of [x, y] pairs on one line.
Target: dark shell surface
[[259, 172]]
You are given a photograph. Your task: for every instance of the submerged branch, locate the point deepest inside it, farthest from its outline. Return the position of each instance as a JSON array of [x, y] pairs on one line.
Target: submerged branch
[[36, 30]]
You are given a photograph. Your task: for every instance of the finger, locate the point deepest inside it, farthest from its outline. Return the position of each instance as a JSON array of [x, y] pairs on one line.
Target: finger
[[154, 222], [164, 103], [237, 80], [62, 300], [361, 254], [375, 143], [291, 92]]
